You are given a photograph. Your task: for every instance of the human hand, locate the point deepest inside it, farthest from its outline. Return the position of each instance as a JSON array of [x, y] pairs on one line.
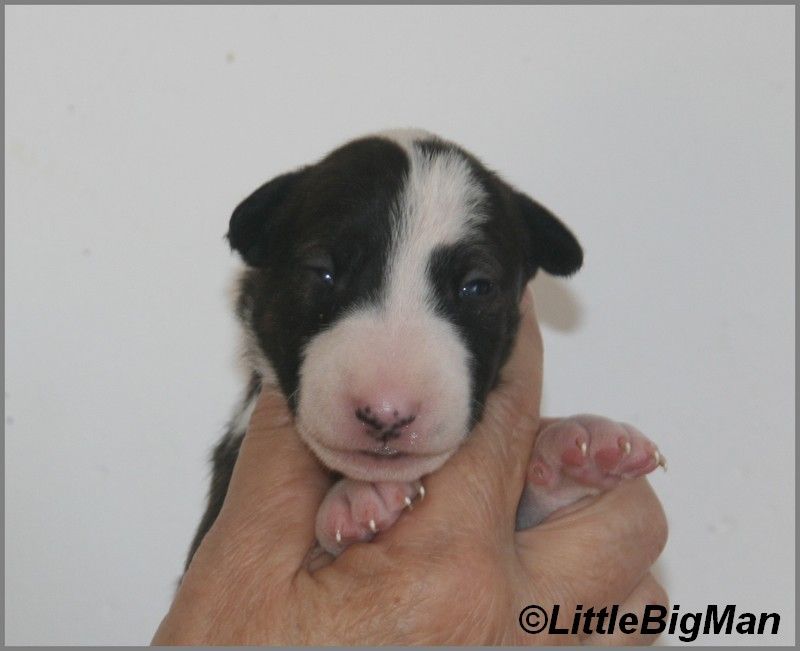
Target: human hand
[[452, 571]]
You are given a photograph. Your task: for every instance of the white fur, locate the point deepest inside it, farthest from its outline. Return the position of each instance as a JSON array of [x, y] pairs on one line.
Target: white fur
[[242, 415], [406, 137], [363, 353]]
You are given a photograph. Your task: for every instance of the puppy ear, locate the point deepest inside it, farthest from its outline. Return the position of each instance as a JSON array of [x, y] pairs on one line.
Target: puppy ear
[[551, 246], [250, 222]]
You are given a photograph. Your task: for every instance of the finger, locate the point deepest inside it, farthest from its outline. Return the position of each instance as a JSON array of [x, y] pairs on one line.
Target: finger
[[649, 592], [597, 552], [484, 479], [277, 484]]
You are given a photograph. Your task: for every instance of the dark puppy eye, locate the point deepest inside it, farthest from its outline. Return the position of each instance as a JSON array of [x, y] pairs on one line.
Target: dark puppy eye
[[474, 286], [325, 275], [322, 267]]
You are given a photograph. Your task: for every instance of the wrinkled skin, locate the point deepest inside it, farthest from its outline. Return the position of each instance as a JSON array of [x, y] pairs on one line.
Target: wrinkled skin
[[452, 571]]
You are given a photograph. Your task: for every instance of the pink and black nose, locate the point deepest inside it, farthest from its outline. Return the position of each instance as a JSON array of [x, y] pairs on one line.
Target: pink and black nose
[[385, 420]]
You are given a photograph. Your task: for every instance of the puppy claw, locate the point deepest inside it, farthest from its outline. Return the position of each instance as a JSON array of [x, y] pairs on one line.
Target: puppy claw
[[421, 492], [373, 527], [339, 536], [662, 461], [626, 447], [657, 457], [583, 448], [407, 500]]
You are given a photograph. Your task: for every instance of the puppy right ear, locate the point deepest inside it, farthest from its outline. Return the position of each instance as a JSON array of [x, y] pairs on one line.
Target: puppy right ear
[[250, 222]]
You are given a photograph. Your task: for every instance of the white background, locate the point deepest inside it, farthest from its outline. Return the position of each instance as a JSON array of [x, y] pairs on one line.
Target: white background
[[663, 136]]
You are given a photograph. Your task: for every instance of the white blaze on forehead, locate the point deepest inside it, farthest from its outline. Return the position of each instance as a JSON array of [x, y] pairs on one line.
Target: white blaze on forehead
[[406, 137], [440, 205]]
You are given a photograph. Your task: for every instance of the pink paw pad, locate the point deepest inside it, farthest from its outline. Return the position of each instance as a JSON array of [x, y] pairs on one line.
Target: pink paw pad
[[579, 456], [355, 511]]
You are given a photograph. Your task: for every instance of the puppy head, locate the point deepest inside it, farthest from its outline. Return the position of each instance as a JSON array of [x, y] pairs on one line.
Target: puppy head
[[382, 294]]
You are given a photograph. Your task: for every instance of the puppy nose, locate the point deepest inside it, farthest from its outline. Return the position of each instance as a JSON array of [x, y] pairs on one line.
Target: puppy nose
[[385, 419]]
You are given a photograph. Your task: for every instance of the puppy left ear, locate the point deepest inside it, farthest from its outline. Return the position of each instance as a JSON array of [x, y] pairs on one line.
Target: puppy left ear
[[552, 246]]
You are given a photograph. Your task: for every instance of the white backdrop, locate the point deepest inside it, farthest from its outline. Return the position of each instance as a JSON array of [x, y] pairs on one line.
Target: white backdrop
[[663, 136]]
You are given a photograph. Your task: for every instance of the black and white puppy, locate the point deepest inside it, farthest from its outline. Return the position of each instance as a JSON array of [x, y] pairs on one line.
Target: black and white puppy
[[381, 294]]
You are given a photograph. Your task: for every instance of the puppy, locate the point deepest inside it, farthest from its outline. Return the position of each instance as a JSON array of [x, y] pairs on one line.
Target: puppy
[[381, 294]]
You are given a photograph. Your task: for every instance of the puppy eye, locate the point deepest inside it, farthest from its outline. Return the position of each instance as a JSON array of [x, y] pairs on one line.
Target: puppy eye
[[325, 275], [322, 268], [474, 286]]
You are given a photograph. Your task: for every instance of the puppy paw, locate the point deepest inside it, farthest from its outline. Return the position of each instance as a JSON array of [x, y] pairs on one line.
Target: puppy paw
[[355, 511], [580, 456]]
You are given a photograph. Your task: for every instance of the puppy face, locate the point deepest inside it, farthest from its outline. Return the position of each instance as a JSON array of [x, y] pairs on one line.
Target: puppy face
[[382, 295]]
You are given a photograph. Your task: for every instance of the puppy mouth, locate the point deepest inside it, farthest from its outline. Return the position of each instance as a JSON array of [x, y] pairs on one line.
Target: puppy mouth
[[381, 463], [384, 453]]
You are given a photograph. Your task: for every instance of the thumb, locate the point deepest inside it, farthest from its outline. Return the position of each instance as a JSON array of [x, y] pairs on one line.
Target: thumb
[[486, 476], [277, 484]]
